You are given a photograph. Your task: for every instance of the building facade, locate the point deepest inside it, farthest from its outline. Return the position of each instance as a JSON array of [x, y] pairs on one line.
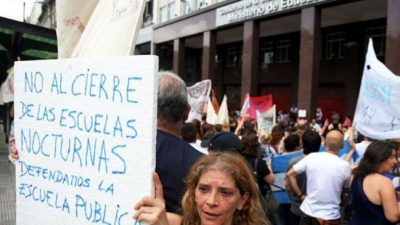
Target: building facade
[[306, 53]]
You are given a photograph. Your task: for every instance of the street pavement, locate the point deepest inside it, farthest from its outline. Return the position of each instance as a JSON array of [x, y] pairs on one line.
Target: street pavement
[[7, 189]]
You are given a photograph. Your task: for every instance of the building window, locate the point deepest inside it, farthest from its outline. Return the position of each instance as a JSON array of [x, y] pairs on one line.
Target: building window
[[171, 10], [148, 13], [282, 51], [163, 14], [334, 45], [378, 35], [231, 57], [190, 6], [267, 53], [167, 12]]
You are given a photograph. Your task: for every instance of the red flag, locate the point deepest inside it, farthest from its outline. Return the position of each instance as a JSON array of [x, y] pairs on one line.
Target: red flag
[[260, 104], [214, 101]]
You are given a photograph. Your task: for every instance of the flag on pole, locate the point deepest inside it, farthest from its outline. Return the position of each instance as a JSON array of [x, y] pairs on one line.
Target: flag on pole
[[214, 101], [223, 114], [197, 97], [211, 115], [378, 107]]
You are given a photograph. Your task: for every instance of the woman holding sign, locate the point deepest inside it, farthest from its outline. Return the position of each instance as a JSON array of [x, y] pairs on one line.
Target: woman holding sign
[[221, 190]]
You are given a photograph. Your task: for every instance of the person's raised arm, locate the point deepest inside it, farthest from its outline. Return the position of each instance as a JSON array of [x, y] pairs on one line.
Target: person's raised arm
[[152, 210], [240, 125], [326, 124]]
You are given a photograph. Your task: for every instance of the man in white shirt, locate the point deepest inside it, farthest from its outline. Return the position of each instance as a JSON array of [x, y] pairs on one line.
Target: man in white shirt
[[361, 148], [326, 174]]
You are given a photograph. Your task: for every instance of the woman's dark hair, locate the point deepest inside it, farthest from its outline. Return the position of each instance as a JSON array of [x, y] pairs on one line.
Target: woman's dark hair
[[376, 153], [250, 144]]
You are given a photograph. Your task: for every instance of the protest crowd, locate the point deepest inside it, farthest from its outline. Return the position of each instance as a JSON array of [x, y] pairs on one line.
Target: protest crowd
[[331, 174], [299, 172], [212, 165]]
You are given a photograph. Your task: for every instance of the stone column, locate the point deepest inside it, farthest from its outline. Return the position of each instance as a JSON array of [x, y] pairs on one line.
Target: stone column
[[208, 58], [392, 55], [179, 54], [251, 39], [309, 60]]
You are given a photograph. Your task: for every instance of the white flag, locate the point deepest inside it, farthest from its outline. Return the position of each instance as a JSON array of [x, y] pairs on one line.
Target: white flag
[[211, 115], [72, 18], [223, 114], [111, 30], [266, 120], [378, 107], [197, 97]]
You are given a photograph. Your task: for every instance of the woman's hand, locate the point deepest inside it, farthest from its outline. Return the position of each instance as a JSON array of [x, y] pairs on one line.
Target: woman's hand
[[152, 210]]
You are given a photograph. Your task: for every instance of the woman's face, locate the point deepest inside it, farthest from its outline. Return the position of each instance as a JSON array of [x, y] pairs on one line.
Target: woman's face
[[217, 198], [389, 163]]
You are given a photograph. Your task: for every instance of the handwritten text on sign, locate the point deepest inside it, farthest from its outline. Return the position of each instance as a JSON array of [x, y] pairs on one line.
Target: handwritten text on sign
[[85, 130]]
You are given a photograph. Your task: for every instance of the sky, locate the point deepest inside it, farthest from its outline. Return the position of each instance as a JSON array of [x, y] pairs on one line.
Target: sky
[[13, 9]]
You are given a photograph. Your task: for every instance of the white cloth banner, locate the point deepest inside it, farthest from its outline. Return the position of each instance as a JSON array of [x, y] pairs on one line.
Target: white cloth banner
[[197, 97], [72, 18], [7, 88], [266, 120], [223, 114], [85, 130], [112, 29], [378, 108], [211, 114]]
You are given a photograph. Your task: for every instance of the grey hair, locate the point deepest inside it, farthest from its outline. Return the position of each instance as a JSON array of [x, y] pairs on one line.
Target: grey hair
[[172, 97]]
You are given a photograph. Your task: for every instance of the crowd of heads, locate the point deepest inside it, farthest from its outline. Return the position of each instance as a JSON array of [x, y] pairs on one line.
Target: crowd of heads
[[230, 145]]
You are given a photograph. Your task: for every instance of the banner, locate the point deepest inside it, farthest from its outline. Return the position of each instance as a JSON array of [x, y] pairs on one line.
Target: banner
[[197, 97], [85, 130], [378, 107], [223, 114], [7, 88], [112, 29], [266, 120], [72, 17]]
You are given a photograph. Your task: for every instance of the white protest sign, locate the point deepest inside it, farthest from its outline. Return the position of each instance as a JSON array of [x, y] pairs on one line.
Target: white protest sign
[[378, 108], [85, 130], [197, 97], [266, 120], [302, 113]]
